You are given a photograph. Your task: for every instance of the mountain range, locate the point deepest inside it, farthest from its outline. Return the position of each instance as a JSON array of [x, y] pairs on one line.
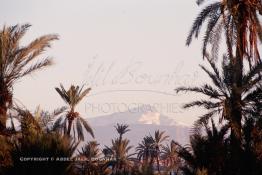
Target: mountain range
[[141, 122]]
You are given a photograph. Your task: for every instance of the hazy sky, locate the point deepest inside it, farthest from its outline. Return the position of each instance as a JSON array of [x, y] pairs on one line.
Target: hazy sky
[[131, 52]]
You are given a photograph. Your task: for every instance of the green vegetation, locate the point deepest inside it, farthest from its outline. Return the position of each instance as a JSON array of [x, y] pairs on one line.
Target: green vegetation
[[227, 140]]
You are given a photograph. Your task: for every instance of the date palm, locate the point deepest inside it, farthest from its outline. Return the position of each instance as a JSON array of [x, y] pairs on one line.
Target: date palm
[[72, 97], [91, 150], [242, 25], [121, 130], [36, 141], [170, 155], [240, 21], [220, 93], [145, 151], [18, 61], [45, 119], [91, 153], [42, 145], [206, 152], [159, 138], [221, 97], [121, 162], [32, 124]]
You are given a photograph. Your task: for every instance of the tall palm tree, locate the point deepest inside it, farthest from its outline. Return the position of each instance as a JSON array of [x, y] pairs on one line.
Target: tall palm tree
[[220, 93], [72, 97], [159, 138], [206, 152], [221, 98], [121, 162], [170, 155], [17, 61], [122, 157], [242, 26], [239, 20]]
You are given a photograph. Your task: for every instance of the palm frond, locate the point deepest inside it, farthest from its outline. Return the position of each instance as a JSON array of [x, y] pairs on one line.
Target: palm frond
[[63, 93], [204, 14], [83, 94], [121, 128], [57, 124], [202, 103], [205, 90], [79, 129], [255, 70], [214, 17], [202, 120], [34, 49], [214, 77], [87, 126]]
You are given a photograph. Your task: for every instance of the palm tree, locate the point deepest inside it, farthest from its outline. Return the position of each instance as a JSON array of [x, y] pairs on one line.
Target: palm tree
[[121, 162], [46, 120], [36, 142], [122, 157], [206, 152], [220, 93], [121, 130], [220, 100], [242, 27], [91, 153], [170, 155], [17, 61], [159, 138], [48, 145], [239, 20], [72, 97], [91, 150], [145, 151], [108, 153]]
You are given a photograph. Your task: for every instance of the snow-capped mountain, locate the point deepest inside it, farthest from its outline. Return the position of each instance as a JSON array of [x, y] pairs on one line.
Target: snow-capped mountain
[[141, 122]]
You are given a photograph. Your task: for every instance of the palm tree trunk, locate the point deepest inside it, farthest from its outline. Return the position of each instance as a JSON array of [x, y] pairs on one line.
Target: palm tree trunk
[[3, 108], [236, 115], [5, 103], [70, 122], [3, 118], [152, 164], [158, 164]]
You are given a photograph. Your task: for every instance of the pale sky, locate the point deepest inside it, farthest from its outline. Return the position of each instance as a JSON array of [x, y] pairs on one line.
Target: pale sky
[[134, 45]]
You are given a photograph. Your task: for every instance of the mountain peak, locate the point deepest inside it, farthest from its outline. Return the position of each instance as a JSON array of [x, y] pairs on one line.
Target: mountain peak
[[145, 114], [150, 118], [141, 121]]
